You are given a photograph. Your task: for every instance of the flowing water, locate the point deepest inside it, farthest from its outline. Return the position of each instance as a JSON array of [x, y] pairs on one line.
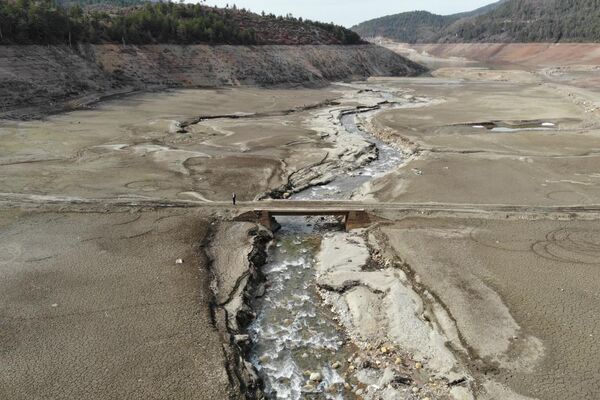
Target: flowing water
[[294, 336], [342, 187]]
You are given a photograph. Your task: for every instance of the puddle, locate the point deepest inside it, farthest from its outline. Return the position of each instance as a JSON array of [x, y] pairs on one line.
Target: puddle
[[502, 127]]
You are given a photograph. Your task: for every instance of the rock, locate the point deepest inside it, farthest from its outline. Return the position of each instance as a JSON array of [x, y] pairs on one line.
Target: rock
[[384, 350], [264, 358], [179, 261], [415, 389], [359, 392], [304, 355], [387, 378], [286, 195], [316, 377], [336, 365], [398, 361], [418, 365], [241, 338], [308, 388]]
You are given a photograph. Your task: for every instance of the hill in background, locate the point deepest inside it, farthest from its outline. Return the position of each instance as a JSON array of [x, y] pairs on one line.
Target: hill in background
[[415, 26], [505, 21], [48, 22]]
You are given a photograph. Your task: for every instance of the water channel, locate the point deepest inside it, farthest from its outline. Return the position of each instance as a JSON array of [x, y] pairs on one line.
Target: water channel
[[295, 338]]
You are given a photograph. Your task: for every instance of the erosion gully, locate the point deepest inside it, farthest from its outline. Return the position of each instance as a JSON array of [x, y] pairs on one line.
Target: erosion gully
[[296, 338]]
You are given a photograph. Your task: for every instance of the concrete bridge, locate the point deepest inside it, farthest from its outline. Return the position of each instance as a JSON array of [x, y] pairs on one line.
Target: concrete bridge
[[353, 218]]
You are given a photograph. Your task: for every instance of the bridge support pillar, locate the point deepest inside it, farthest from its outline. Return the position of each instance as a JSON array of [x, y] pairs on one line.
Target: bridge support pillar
[[266, 220], [357, 219]]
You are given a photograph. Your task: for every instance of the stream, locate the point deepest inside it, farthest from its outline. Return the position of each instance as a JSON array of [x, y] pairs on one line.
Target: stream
[[298, 346]]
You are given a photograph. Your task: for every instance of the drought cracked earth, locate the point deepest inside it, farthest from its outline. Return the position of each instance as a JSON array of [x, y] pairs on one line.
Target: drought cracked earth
[[480, 278]]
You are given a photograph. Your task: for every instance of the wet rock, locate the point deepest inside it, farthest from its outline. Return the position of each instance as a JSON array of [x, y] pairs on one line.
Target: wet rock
[[308, 388], [264, 358], [316, 377], [241, 338]]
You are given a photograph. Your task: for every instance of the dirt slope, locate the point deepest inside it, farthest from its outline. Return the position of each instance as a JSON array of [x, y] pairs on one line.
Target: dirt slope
[[48, 78], [532, 54]]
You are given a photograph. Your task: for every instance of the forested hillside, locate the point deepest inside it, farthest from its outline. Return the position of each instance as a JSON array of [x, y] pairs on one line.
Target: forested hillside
[[415, 26], [48, 22], [532, 21], [506, 21], [410, 27]]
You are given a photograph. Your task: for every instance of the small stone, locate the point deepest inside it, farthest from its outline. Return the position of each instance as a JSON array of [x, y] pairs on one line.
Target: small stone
[[336, 365], [179, 261], [308, 388], [351, 368], [54, 305], [359, 392], [418, 365], [384, 350], [316, 377], [241, 338], [415, 389], [347, 386], [398, 361], [307, 373], [264, 358], [304, 355], [331, 389]]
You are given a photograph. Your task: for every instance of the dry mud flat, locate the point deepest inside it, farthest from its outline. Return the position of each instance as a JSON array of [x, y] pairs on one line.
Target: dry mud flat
[[137, 146], [522, 294], [187, 145], [489, 142], [94, 305]]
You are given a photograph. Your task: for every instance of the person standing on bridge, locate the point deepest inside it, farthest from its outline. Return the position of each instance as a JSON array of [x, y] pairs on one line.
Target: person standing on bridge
[[233, 198]]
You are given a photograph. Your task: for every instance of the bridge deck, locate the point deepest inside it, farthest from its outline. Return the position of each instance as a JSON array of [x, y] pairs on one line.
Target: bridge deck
[[275, 211]]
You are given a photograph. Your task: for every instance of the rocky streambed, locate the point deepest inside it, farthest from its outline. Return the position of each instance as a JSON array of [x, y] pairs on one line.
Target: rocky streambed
[[334, 318], [327, 314]]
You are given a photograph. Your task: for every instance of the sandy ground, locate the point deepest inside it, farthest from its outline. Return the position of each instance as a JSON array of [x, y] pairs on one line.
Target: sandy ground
[[186, 144], [94, 306], [131, 147], [459, 161], [522, 294]]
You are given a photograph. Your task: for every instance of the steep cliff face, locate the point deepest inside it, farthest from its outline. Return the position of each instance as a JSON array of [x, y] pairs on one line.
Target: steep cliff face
[[39, 79]]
